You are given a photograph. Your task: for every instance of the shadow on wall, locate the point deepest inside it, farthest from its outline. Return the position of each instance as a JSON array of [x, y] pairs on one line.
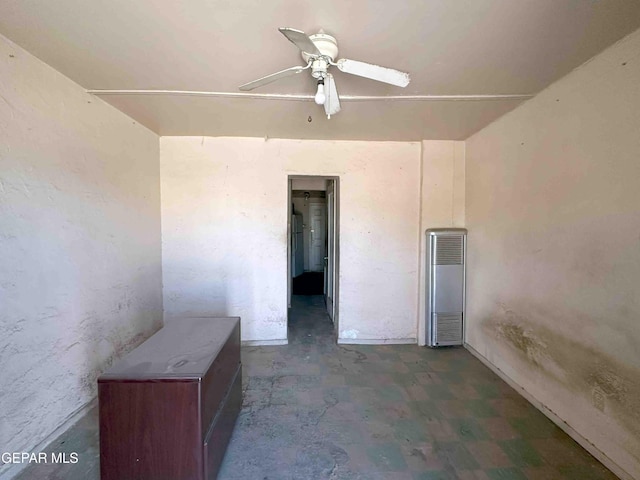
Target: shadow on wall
[[229, 287]]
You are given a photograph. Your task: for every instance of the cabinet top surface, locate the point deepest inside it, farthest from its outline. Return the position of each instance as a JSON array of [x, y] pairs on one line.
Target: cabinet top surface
[[183, 348]]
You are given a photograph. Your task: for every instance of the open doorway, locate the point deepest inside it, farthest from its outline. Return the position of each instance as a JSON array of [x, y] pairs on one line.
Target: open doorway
[[313, 253]]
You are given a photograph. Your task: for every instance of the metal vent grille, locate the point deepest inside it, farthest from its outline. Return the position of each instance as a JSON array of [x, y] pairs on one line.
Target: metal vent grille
[[449, 250], [448, 328]]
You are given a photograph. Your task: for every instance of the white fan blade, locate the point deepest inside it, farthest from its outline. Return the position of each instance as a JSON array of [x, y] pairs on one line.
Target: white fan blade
[[374, 72], [332, 102], [300, 40], [272, 78]]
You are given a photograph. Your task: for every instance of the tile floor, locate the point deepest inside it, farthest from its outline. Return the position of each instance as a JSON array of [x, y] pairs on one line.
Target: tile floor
[[317, 410]]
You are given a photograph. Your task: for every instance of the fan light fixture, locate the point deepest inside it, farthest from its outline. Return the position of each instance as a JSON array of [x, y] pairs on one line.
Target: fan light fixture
[[320, 51], [320, 96]]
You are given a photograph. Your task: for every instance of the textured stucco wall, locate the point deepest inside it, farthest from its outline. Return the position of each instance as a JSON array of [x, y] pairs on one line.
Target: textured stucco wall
[[442, 202], [553, 211], [79, 244], [224, 224]]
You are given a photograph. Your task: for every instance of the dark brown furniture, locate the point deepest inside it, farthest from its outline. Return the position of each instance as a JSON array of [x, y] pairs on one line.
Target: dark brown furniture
[[168, 408]]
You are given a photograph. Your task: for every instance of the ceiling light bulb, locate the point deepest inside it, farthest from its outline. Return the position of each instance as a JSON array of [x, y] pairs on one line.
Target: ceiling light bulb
[[320, 96]]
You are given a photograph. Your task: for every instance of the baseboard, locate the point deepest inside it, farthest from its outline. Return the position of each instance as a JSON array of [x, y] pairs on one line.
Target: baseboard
[[568, 429], [15, 468], [377, 341], [263, 343]]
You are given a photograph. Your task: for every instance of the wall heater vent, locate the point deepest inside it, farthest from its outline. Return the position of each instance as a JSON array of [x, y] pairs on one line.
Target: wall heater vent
[[449, 250], [448, 328], [445, 286]]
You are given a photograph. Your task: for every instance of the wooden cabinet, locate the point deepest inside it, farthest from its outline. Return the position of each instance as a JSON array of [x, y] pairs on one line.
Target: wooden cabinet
[[168, 408]]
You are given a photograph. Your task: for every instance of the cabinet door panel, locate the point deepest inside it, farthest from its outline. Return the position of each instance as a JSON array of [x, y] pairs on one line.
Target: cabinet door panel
[[167, 439], [218, 379], [222, 428]]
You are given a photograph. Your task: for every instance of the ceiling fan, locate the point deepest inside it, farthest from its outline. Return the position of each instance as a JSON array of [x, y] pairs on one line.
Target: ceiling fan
[[320, 51]]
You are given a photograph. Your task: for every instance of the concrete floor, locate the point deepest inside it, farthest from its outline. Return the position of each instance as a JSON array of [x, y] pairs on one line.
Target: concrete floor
[[317, 410]]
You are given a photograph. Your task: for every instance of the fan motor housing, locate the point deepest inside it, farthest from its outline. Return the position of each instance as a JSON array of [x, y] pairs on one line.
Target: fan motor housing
[[319, 68], [327, 45]]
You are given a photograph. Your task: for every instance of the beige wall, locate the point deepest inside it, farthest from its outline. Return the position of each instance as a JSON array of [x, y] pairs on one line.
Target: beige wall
[[553, 211], [79, 245], [442, 202], [224, 221]]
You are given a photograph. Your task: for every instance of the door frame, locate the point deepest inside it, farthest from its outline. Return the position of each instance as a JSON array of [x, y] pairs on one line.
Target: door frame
[[336, 242], [330, 263]]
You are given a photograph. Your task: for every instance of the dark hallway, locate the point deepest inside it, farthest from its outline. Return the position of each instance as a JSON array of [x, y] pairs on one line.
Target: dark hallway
[[309, 322], [309, 283]]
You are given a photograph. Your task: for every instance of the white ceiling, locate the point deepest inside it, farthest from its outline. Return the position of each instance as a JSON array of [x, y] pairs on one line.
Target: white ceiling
[[449, 47]]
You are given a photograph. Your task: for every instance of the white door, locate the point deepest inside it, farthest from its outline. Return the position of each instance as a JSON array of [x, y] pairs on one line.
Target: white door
[[317, 217], [331, 249]]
